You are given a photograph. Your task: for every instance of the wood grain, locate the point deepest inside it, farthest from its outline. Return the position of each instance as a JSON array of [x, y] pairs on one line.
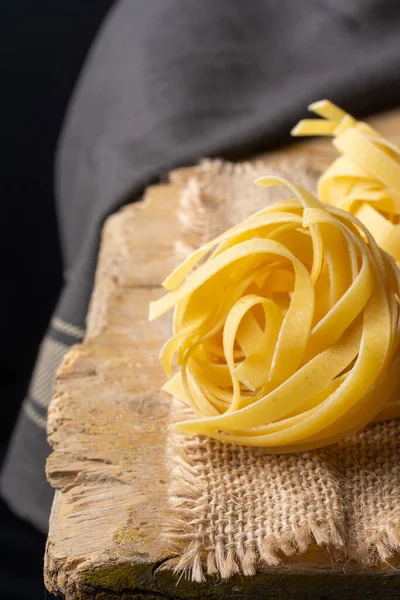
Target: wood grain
[[108, 429]]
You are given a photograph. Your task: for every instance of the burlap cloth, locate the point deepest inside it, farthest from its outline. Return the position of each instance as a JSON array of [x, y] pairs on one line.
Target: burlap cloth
[[234, 509]]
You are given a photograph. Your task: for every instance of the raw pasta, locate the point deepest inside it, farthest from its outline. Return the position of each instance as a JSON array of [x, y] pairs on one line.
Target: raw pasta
[[286, 328], [365, 179]]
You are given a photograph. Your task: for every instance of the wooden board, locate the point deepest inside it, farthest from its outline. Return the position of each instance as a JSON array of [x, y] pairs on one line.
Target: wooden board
[[108, 428]]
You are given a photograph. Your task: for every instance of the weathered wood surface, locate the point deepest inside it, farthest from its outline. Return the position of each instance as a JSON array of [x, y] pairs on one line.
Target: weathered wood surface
[[108, 428]]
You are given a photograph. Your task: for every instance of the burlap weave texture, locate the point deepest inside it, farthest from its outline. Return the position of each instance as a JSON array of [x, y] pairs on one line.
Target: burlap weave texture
[[235, 508]]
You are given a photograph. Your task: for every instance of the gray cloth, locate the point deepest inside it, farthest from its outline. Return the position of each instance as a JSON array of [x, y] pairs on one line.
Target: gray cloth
[[166, 83]]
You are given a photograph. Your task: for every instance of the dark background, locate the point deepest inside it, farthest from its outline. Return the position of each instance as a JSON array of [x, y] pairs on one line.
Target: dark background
[[42, 46]]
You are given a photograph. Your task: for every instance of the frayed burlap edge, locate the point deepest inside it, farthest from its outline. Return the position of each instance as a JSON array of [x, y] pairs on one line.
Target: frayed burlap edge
[[210, 203], [189, 511]]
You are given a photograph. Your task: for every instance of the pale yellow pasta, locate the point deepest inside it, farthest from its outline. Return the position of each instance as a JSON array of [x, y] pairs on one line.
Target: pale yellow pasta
[[286, 329], [365, 179]]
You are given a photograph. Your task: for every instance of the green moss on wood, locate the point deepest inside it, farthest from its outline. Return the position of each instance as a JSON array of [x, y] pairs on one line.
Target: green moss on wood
[[284, 586], [118, 577], [136, 581]]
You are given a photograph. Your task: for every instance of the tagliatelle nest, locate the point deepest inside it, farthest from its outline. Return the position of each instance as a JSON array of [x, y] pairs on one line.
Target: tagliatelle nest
[[286, 328], [365, 179]]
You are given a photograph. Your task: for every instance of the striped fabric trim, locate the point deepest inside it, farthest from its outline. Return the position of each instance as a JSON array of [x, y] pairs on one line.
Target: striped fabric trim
[[68, 328], [33, 415], [50, 356]]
